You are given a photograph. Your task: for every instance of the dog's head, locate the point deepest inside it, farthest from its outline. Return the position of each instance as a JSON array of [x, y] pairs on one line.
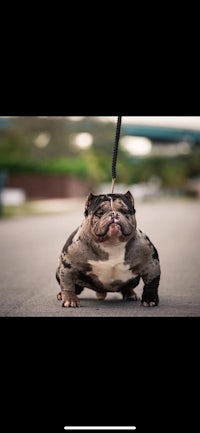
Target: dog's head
[[111, 217]]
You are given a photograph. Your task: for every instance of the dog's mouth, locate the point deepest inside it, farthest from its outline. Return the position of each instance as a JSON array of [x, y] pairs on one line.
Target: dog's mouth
[[114, 228]]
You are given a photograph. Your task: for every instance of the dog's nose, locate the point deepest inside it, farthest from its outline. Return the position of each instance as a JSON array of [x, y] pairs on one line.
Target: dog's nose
[[114, 215]]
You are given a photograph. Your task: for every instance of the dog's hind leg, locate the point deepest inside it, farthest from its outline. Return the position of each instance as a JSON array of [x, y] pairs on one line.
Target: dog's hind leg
[[101, 295], [129, 295], [78, 289]]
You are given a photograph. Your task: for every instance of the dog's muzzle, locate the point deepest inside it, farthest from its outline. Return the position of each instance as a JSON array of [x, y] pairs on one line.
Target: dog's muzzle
[[114, 224]]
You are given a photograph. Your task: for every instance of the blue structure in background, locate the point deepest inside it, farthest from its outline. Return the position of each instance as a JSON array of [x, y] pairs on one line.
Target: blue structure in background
[[5, 122], [162, 134]]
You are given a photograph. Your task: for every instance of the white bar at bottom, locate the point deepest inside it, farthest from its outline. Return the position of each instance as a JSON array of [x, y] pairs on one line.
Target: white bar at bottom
[[100, 428]]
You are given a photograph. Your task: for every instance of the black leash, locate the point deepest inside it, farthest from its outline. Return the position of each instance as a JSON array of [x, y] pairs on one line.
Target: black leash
[[115, 152]]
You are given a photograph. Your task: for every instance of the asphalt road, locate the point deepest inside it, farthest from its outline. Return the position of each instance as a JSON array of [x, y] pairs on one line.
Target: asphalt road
[[30, 247]]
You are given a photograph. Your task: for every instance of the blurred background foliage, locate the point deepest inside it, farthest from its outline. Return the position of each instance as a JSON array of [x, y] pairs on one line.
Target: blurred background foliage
[[48, 146]]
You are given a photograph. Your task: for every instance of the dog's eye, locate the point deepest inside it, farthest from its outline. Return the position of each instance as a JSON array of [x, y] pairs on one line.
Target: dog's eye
[[99, 213], [124, 211]]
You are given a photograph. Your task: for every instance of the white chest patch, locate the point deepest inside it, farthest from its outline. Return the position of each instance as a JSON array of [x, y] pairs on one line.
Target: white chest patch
[[112, 269]]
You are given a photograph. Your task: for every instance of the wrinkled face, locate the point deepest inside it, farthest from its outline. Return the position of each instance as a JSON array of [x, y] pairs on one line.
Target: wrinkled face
[[111, 217]]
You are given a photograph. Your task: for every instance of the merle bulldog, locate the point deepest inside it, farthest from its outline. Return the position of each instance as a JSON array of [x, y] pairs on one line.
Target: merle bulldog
[[107, 253]]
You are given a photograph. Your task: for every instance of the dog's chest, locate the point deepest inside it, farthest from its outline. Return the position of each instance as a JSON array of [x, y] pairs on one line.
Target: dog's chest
[[112, 269]]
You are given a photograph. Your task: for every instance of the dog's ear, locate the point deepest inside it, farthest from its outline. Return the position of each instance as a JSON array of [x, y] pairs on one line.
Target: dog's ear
[[88, 202], [129, 196]]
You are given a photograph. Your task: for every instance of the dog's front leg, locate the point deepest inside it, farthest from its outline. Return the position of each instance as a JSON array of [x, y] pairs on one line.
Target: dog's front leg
[[69, 298], [150, 296]]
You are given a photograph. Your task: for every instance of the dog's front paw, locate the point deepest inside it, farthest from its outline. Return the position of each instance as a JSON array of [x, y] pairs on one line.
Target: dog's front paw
[[149, 304], [153, 302], [70, 300]]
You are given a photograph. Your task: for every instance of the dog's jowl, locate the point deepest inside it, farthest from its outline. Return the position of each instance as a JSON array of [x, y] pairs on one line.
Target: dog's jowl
[[108, 253]]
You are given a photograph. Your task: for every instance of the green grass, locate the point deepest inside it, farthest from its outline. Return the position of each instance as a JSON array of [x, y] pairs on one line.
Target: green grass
[[25, 209]]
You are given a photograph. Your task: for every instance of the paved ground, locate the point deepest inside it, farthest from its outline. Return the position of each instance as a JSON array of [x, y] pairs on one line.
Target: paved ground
[[31, 245]]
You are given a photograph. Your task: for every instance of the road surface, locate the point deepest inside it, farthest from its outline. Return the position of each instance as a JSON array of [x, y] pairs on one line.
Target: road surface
[[30, 247]]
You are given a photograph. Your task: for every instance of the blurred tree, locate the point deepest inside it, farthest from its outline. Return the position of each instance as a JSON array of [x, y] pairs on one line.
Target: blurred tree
[[45, 145]]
